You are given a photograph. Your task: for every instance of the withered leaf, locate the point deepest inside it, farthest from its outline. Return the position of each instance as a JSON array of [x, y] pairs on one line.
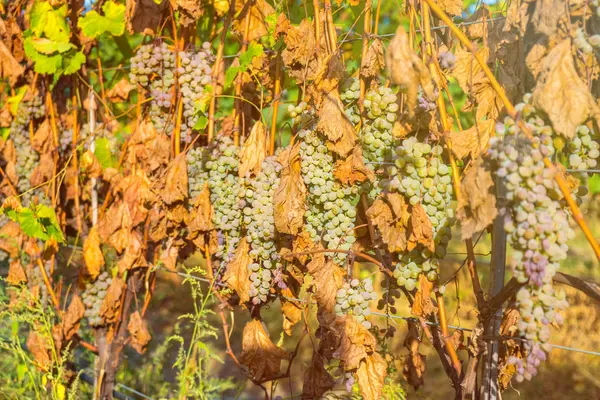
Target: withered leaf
[[406, 68], [292, 311], [258, 24], [120, 92], [316, 379], [290, 196], [390, 215], [300, 55], [423, 305], [254, 151], [477, 204], [168, 255], [480, 22], [259, 353], [473, 141], [451, 7], [374, 61], [44, 171], [371, 375], [237, 274], [201, 214], [110, 306], [16, 273], [145, 16], [561, 93], [414, 364], [134, 253], [92, 254], [9, 66], [328, 279], [472, 80], [138, 329], [89, 165], [39, 347], [353, 168], [335, 125], [71, 319], [189, 10], [356, 342], [421, 229], [43, 139], [5, 116], [176, 181]]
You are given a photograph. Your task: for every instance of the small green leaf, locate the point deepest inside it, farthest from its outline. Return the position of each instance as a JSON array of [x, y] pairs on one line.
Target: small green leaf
[[47, 218], [103, 153], [230, 75], [254, 50], [15, 100], [57, 26], [38, 222], [47, 46], [73, 61], [201, 123], [113, 21]]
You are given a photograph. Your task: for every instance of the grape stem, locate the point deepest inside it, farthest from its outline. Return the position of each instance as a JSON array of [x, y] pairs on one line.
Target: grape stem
[[275, 104], [510, 109]]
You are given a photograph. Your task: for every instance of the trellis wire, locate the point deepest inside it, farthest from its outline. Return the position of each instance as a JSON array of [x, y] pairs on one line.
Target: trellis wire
[[398, 317], [568, 170]]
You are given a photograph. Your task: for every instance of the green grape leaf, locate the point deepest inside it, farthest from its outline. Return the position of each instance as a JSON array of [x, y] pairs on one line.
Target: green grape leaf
[[254, 50], [113, 21], [594, 184], [43, 64], [38, 222], [38, 17], [73, 61], [201, 123], [56, 26], [47, 46], [103, 153]]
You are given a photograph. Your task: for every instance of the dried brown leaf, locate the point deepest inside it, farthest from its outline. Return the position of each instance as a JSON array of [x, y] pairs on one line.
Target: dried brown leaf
[[316, 379], [406, 68], [120, 92], [110, 306], [11, 237], [44, 171], [300, 55], [328, 278], [480, 22], [39, 348], [258, 26], [335, 125], [92, 254], [259, 354], [291, 309], [290, 196], [353, 168], [89, 165], [561, 93], [189, 10], [237, 274], [356, 342], [421, 229], [423, 304], [477, 205], [451, 7], [145, 16], [71, 318], [176, 181], [201, 213], [414, 364], [374, 61], [390, 215], [43, 138], [138, 329], [16, 273], [254, 151], [371, 375], [473, 141], [9, 66], [473, 81]]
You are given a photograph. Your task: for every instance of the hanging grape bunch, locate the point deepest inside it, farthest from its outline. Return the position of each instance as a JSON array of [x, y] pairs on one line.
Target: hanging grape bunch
[[197, 173], [93, 296], [353, 299], [259, 220]]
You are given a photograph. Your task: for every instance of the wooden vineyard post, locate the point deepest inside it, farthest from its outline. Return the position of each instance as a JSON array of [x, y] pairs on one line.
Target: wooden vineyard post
[[489, 387]]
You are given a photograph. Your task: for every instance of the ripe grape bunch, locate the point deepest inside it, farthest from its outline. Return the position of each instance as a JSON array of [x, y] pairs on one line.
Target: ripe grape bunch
[[537, 229], [260, 225], [353, 299], [226, 193], [330, 213], [93, 296], [422, 177], [197, 173]]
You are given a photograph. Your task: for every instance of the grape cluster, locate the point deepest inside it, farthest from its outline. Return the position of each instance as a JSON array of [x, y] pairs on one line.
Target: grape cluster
[[194, 74], [537, 228], [376, 137], [447, 60], [27, 160], [331, 211], [583, 150], [349, 94], [260, 224], [300, 114], [353, 299], [412, 265], [424, 104], [197, 172], [586, 43], [93, 296], [226, 193]]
